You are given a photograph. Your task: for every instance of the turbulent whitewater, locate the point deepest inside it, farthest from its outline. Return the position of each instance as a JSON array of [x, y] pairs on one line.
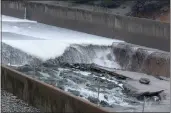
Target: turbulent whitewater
[[63, 58], [26, 43], [47, 42]]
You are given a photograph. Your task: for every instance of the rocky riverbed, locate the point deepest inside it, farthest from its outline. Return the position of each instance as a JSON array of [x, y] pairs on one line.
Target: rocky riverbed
[[10, 103]]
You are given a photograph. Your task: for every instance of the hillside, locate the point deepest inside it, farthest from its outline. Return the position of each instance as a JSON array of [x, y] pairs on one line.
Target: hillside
[[151, 9]]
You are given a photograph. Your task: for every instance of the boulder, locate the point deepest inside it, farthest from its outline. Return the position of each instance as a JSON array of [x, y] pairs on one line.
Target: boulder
[[88, 85], [104, 103], [25, 68], [81, 95], [106, 97], [144, 81], [93, 100]]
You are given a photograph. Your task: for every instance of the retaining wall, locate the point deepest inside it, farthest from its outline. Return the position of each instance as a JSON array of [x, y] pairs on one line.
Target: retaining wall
[[138, 31], [43, 96]]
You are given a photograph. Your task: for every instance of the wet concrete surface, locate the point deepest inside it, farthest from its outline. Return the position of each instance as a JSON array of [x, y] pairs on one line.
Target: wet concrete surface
[[85, 84], [155, 85]]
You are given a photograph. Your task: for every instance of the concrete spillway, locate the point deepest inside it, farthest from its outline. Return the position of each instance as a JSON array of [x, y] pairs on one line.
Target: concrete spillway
[[138, 31], [62, 72], [71, 66]]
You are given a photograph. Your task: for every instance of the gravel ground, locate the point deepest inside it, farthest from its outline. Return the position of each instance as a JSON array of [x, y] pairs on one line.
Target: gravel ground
[[10, 103]]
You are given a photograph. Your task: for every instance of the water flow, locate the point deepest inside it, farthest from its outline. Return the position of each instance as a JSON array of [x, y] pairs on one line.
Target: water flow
[[25, 13], [13, 56], [144, 60], [88, 54]]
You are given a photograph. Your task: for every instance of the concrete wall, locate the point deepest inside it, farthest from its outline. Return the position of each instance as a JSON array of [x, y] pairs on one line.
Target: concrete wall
[[134, 30], [43, 96], [143, 60]]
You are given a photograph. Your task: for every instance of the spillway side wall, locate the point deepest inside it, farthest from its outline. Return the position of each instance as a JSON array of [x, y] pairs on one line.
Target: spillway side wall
[[43, 96], [138, 31], [140, 59]]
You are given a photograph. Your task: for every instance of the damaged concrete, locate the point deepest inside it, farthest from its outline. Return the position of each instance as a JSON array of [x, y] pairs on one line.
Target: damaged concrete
[[141, 59], [43, 96]]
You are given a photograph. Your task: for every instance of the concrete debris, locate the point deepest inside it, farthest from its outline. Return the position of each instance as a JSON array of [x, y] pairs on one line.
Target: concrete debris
[[144, 81]]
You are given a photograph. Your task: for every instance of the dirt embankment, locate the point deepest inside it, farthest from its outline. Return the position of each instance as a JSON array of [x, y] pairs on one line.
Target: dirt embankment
[[165, 17], [159, 16]]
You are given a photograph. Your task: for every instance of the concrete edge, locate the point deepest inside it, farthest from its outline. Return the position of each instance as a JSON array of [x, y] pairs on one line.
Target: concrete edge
[[54, 89]]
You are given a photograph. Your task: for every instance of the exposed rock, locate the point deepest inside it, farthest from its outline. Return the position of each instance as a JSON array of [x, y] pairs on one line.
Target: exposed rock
[[107, 72], [25, 68], [128, 89], [94, 68], [81, 95], [93, 100], [149, 95], [102, 80], [111, 86], [144, 81], [88, 85], [76, 93], [106, 97], [104, 103]]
